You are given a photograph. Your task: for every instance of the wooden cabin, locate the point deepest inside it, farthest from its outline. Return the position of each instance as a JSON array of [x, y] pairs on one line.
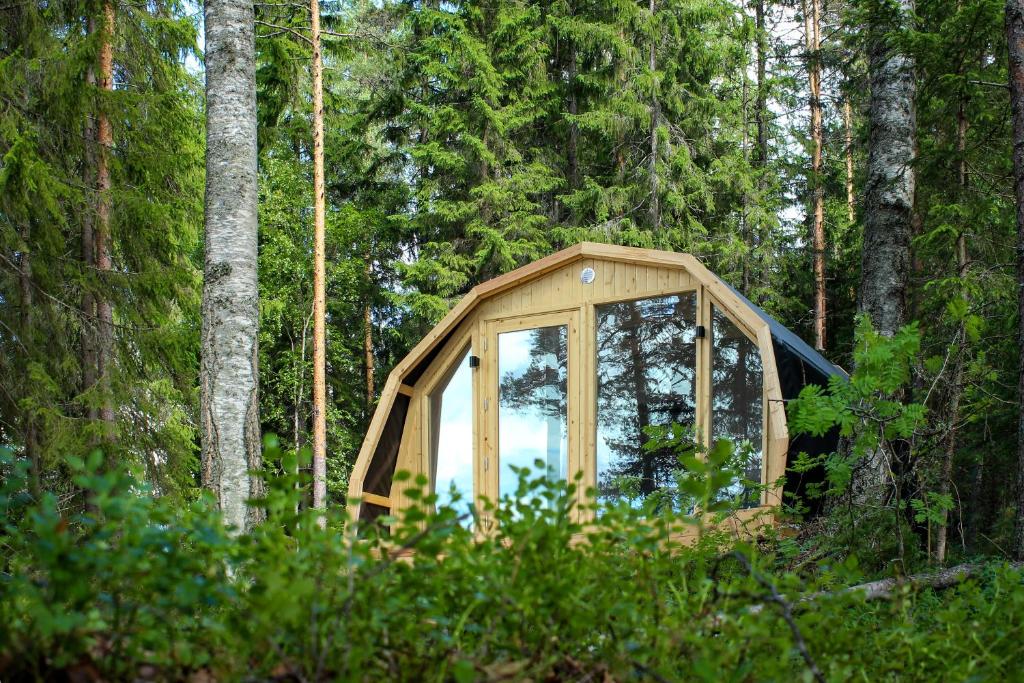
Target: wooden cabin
[[565, 360]]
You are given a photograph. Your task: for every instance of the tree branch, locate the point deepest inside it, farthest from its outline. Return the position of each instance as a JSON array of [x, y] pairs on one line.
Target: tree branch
[[282, 29]]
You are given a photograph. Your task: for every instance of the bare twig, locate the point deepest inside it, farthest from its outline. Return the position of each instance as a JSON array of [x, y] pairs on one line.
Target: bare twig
[[1004, 86], [283, 29], [787, 614]]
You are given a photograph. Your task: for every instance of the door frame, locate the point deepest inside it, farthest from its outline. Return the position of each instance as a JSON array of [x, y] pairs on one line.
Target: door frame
[[490, 456]]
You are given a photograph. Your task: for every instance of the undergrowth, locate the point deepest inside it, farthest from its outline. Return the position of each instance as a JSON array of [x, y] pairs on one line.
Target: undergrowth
[[143, 588]]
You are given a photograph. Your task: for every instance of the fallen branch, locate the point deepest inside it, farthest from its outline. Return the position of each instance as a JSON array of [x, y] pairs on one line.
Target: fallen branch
[[884, 589]]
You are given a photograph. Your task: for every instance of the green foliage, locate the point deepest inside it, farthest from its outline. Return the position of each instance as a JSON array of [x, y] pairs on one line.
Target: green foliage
[[869, 408], [48, 201], [709, 480], [141, 585]]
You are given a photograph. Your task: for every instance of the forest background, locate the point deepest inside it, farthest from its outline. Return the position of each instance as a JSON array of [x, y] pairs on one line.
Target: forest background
[[464, 140], [825, 157]]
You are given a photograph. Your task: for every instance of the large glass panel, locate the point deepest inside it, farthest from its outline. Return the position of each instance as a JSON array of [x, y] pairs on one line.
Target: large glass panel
[[451, 415], [532, 394], [646, 375], [737, 400]]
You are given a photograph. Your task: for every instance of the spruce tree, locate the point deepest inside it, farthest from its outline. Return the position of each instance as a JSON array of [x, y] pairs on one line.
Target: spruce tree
[[49, 206]]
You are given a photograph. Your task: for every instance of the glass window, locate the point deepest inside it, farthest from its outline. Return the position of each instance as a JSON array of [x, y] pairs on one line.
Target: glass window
[[451, 415], [646, 375], [532, 394], [737, 400]]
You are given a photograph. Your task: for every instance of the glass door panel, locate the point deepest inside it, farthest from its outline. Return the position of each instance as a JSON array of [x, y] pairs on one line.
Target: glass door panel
[[533, 395], [737, 401], [646, 375]]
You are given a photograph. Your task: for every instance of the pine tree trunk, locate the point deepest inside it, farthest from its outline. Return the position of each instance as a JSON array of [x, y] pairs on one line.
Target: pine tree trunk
[[888, 197], [88, 252], [104, 264], [319, 287], [229, 403], [655, 116], [1015, 43], [371, 386], [851, 204], [956, 385], [812, 40]]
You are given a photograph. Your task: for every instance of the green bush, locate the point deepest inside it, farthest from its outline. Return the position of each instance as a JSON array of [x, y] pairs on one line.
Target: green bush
[[138, 588]]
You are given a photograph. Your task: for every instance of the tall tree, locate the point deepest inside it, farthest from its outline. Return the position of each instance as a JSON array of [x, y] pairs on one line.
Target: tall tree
[[319, 290], [960, 340], [889, 194], [889, 191], [68, 66], [812, 40], [1015, 45], [229, 399], [101, 229]]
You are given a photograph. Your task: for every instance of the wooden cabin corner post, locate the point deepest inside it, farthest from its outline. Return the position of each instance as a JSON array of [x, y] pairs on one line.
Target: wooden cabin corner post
[[777, 431]]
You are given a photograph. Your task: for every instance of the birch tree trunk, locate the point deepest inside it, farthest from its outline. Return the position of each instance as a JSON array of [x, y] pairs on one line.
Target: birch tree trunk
[[1015, 44], [889, 192], [319, 287], [229, 402], [888, 196]]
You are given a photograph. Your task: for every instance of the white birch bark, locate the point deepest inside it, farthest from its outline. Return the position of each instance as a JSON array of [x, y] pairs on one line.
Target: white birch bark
[[228, 372], [889, 191], [888, 200]]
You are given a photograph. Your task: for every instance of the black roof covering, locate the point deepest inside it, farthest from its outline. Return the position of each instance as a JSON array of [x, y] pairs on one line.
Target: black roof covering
[[793, 346]]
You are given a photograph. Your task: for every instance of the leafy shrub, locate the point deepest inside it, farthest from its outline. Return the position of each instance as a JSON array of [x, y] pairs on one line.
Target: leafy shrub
[[878, 426], [140, 589]]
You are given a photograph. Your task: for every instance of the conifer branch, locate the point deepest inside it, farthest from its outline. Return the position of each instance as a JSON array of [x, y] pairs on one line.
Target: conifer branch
[[282, 30]]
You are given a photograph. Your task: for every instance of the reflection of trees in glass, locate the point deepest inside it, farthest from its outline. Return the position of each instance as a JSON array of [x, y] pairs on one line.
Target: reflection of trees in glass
[[737, 399], [646, 374], [534, 387]]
